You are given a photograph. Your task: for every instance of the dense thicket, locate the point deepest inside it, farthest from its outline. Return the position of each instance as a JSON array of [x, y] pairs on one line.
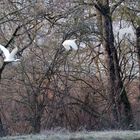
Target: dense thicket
[[96, 87]]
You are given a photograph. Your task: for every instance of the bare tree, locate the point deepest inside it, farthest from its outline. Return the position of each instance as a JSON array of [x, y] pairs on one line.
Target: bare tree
[[138, 48], [58, 88], [121, 107]]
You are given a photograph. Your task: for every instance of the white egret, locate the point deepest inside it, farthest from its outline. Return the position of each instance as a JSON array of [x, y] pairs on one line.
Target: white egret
[[9, 57], [70, 44]]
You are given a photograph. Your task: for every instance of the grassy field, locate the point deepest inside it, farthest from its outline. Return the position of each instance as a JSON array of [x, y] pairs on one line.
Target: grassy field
[[106, 135]]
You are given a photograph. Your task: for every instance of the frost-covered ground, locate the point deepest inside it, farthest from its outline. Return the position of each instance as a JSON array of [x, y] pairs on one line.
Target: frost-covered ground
[[106, 135]]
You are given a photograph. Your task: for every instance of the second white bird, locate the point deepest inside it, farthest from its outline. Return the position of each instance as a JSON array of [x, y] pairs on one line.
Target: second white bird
[[9, 57]]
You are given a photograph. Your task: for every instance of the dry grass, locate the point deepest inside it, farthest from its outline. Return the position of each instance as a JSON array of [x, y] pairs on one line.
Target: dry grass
[[106, 135]]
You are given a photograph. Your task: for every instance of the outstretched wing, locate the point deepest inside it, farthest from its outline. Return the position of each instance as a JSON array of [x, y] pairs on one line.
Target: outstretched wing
[[73, 45], [70, 44], [67, 47], [14, 52], [5, 51]]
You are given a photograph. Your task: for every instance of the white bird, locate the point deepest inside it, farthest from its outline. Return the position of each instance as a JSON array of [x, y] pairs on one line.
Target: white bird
[[9, 57], [70, 44]]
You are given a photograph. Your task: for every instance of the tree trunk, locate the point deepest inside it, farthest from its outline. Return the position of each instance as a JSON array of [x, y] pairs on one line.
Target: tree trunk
[[39, 107], [2, 130], [36, 124], [138, 51], [120, 105]]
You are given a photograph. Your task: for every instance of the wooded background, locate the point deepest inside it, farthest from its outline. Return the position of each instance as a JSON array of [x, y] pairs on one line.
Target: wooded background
[[96, 87]]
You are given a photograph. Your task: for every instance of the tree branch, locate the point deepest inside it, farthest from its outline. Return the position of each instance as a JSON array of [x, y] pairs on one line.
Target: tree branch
[[13, 36], [116, 5], [2, 68]]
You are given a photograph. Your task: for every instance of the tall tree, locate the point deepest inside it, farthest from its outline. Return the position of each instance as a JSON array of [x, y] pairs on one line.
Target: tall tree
[[120, 105], [138, 50]]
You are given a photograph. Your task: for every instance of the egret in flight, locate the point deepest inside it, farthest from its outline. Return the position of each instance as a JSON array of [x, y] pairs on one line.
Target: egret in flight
[[9, 57], [70, 44]]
